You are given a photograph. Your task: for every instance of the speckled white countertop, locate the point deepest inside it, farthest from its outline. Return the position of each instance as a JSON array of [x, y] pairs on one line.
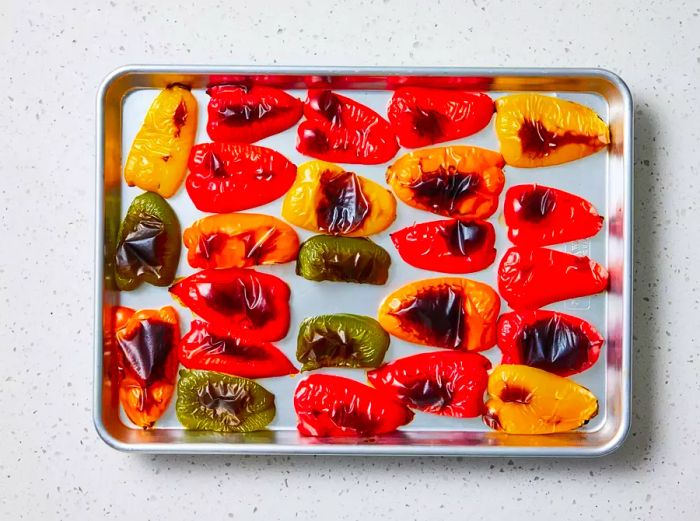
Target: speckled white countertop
[[54, 54]]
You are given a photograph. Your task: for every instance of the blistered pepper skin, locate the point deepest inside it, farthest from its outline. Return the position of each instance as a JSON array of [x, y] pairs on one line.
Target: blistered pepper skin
[[448, 246], [146, 361], [239, 240], [335, 406], [326, 198], [453, 181], [536, 130], [446, 383], [529, 278], [148, 244], [527, 400], [343, 259], [449, 312], [539, 215], [157, 161], [422, 117], [555, 342]]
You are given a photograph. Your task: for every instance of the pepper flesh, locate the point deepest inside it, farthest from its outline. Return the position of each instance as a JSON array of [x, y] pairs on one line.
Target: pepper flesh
[[536, 130], [237, 302], [449, 246], [157, 161], [529, 278], [539, 215], [228, 177], [202, 349], [558, 343], [526, 400], [146, 361], [446, 383], [454, 181], [422, 117], [239, 240], [325, 198], [148, 244], [341, 130], [448, 312], [335, 406], [245, 114]]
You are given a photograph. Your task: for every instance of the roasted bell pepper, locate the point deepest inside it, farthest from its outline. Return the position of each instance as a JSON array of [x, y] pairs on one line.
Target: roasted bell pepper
[[342, 130], [209, 401], [202, 349], [449, 246], [529, 278], [246, 114], [341, 340], [146, 361], [148, 244], [447, 383], [157, 161], [326, 198], [228, 177], [558, 343], [239, 240], [527, 400], [343, 259], [422, 117], [448, 312], [334, 406], [237, 302], [538, 215], [454, 181], [536, 130]]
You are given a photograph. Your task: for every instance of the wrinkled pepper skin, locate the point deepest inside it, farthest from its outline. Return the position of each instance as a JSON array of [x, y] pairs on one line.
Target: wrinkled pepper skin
[[325, 198], [453, 181], [246, 114], [343, 259], [335, 406], [237, 302], [341, 130], [448, 246], [529, 278], [539, 215], [446, 383], [148, 244], [341, 340], [555, 342], [448, 312], [527, 400], [422, 117], [239, 240], [536, 130], [229, 177], [157, 161], [210, 401], [146, 361], [202, 349]]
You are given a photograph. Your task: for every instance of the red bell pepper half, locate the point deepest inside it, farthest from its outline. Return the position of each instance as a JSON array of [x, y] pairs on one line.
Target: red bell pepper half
[[448, 246], [529, 278], [245, 114], [335, 406], [558, 343], [539, 215], [341, 130], [228, 177], [447, 383], [202, 349], [422, 117], [238, 302]]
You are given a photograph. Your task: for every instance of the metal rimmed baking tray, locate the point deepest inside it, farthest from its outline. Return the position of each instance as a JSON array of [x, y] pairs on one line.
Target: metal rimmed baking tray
[[604, 178]]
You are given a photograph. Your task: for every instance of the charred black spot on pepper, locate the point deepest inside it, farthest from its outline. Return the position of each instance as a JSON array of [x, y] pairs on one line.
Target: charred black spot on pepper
[[536, 204], [148, 347], [243, 297], [142, 247], [327, 104], [225, 402], [537, 141], [443, 189], [515, 393], [315, 140], [554, 345], [343, 206], [464, 237], [180, 117], [426, 393]]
